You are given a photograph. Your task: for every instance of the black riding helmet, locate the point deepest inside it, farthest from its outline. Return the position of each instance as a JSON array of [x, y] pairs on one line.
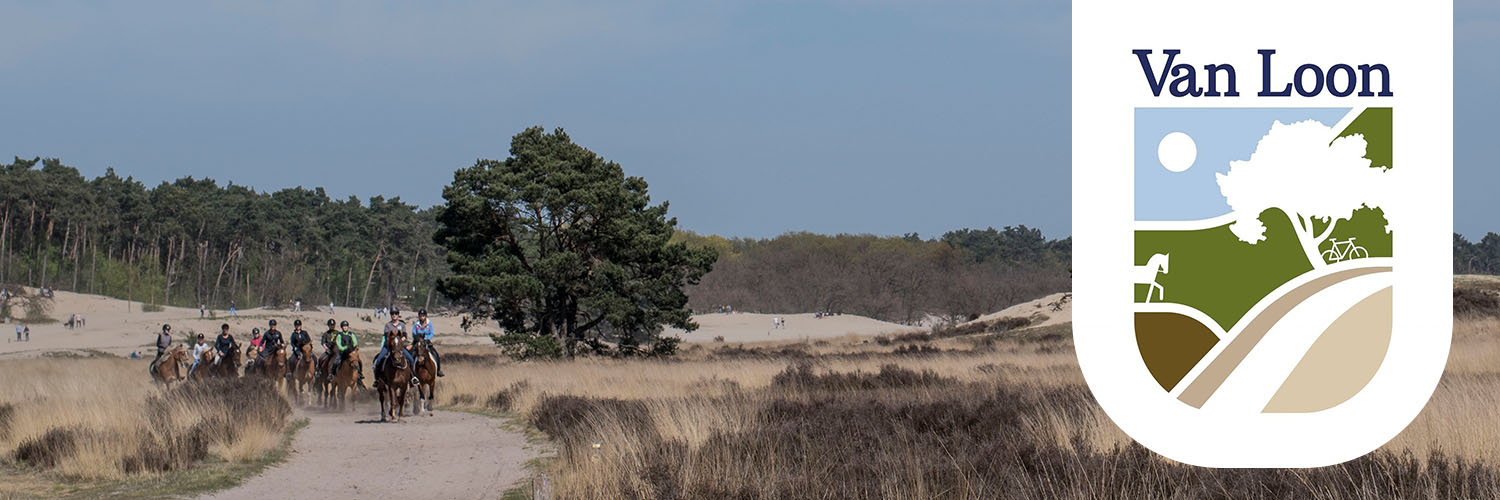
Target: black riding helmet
[[273, 322], [344, 323], [330, 322], [297, 323], [224, 326], [200, 336], [166, 328], [421, 312]]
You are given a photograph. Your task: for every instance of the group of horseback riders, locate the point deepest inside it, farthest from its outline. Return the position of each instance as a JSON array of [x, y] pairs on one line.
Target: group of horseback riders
[[338, 344]]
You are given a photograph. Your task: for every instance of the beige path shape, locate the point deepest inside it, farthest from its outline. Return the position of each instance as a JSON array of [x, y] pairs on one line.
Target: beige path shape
[[1207, 382], [447, 455], [1342, 361]]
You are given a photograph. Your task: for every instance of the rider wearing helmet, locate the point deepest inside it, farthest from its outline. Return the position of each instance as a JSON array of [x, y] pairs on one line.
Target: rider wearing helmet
[[198, 349], [422, 332], [270, 341], [327, 340], [223, 343], [398, 327], [344, 342], [163, 342], [299, 338]]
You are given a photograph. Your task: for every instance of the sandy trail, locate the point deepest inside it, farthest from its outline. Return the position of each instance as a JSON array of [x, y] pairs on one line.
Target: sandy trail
[[352, 455]]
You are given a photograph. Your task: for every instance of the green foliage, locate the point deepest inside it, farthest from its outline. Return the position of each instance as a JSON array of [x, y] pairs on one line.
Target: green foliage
[[152, 308], [527, 346], [557, 242], [192, 241]]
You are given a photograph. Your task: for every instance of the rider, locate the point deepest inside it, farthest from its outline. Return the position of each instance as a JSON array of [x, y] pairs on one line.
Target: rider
[[395, 325], [422, 332], [327, 340], [344, 342], [223, 343], [163, 342], [299, 338], [198, 350], [270, 341]]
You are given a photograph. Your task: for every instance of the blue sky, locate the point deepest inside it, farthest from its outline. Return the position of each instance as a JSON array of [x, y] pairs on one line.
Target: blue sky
[[752, 118], [1221, 136]]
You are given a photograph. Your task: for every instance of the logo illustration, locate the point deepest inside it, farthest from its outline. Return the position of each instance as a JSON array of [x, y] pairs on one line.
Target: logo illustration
[[1264, 255]]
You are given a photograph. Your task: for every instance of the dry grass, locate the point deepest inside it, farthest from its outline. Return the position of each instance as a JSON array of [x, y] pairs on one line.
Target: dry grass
[[967, 417], [102, 419]]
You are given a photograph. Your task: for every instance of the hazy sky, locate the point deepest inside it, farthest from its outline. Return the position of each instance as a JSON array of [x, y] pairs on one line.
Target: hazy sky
[[752, 118]]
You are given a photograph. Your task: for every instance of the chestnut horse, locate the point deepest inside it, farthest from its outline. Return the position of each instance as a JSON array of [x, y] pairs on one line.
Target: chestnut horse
[[228, 365], [392, 378], [273, 368], [321, 377], [170, 367], [301, 377], [341, 383], [426, 374]]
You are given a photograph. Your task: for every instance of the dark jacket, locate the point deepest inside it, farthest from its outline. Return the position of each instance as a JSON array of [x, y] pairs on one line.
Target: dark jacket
[[300, 338], [327, 339], [270, 340], [224, 343]]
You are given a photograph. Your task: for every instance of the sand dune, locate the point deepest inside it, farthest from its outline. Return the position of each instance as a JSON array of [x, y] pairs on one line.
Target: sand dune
[[1037, 310]]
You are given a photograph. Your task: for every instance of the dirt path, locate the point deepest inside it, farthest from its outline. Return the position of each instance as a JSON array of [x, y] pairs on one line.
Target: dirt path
[[351, 455]]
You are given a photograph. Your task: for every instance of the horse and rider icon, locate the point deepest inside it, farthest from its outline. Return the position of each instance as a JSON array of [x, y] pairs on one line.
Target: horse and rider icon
[[1146, 275]]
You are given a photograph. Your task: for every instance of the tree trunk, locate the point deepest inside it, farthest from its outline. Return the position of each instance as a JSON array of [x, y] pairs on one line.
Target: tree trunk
[[366, 296], [348, 285]]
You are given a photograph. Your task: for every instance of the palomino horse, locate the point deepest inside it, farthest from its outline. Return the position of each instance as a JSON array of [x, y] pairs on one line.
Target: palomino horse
[[341, 383], [301, 377], [1146, 275], [392, 378], [426, 374], [170, 367]]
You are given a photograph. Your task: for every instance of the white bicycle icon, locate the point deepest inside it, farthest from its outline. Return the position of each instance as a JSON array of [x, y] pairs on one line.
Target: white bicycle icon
[[1344, 250]]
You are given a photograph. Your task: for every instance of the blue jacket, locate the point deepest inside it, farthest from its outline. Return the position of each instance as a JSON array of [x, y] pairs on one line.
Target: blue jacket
[[419, 330]]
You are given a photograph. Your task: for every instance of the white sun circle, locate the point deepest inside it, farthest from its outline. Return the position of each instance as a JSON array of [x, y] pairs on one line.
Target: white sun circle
[[1177, 151]]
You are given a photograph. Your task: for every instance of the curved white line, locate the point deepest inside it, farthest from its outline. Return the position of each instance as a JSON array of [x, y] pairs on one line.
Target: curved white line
[[1184, 225]]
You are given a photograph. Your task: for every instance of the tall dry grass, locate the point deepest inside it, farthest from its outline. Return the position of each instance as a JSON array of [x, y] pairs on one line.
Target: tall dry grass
[[104, 419], [929, 418]]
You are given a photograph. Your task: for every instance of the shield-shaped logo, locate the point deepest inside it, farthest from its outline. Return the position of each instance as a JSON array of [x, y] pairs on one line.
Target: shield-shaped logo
[[1260, 283]]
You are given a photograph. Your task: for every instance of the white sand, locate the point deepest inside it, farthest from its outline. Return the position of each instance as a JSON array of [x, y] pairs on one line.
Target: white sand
[[1036, 309]]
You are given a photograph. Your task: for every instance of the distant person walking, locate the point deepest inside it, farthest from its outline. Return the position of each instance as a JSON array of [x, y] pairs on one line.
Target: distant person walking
[[202, 310], [18, 333], [232, 311]]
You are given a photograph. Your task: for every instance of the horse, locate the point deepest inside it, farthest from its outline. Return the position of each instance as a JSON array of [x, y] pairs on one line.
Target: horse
[[273, 366], [252, 354], [426, 375], [342, 382], [392, 378], [228, 365], [205, 361], [1146, 275], [301, 376], [176, 357], [321, 378]]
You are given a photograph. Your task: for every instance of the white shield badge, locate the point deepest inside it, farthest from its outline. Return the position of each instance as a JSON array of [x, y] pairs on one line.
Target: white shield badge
[[1262, 218]]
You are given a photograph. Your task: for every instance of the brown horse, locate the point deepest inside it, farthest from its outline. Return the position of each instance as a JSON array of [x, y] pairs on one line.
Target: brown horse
[[341, 383], [392, 379], [426, 374], [228, 365], [170, 367], [301, 377], [321, 377], [205, 361], [273, 366]]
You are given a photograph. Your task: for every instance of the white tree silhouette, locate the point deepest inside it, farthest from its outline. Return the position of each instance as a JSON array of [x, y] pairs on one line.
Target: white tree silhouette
[[1311, 176]]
